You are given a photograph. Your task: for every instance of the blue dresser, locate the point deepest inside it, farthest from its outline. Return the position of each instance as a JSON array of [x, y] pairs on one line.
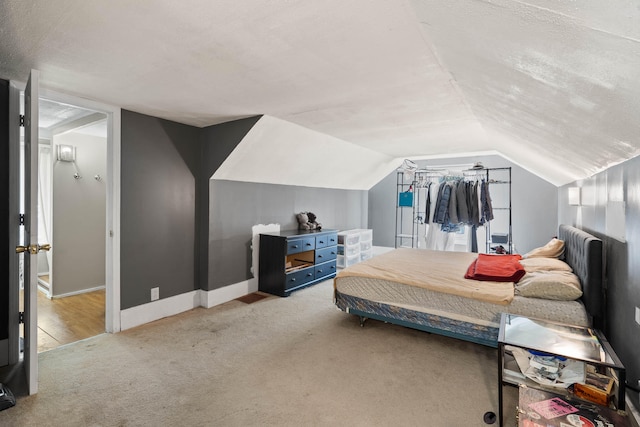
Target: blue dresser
[[291, 260]]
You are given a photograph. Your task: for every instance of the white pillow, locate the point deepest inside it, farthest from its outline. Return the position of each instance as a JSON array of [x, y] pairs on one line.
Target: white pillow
[[553, 285], [544, 264], [553, 249]]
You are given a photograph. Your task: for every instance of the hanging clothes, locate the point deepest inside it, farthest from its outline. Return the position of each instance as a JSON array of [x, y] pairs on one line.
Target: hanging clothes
[[473, 205], [431, 233], [453, 204], [461, 199], [427, 208], [451, 224], [441, 214], [474, 239], [485, 200]]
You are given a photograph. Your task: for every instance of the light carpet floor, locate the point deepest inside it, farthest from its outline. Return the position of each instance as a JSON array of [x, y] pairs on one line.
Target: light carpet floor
[[295, 361]]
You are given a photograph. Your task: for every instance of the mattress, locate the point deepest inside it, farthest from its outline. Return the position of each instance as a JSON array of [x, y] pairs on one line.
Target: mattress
[[457, 308], [434, 270]]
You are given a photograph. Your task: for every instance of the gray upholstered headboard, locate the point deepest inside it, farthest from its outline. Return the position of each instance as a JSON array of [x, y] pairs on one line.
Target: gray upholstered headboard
[[583, 252]]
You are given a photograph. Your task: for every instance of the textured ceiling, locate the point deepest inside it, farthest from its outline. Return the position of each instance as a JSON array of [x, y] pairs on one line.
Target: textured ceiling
[[556, 84], [553, 86]]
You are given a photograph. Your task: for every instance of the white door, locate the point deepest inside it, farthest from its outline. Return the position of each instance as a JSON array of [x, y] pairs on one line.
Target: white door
[[30, 247]]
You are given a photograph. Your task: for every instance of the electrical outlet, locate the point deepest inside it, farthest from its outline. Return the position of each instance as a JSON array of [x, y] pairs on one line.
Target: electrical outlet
[[638, 315], [155, 294]]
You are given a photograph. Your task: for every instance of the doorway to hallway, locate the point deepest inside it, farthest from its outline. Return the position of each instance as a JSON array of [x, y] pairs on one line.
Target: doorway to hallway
[[72, 173], [22, 342]]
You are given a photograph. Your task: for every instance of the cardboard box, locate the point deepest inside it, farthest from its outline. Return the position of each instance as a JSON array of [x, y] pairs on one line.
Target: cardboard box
[[597, 389]]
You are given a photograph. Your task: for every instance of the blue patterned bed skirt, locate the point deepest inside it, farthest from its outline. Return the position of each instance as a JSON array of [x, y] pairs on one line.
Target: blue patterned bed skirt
[[480, 334]]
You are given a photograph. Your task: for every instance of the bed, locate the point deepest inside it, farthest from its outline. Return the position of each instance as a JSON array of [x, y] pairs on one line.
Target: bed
[[461, 313]]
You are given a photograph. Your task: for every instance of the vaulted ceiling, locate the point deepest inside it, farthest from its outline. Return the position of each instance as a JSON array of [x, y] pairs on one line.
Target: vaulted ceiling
[[554, 86]]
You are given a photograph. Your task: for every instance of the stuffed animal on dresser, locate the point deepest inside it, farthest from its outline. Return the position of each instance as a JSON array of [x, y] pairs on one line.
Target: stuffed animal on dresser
[[307, 221], [315, 225]]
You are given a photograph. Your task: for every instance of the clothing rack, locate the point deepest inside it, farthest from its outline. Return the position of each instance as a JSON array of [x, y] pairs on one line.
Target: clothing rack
[[407, 213], [409, 216], [496, 177]]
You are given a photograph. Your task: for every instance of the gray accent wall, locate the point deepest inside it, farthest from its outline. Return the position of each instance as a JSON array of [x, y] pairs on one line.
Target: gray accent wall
[[599, 215], [158, 216], [534, 203], [217, 142], [181, 230], [235, 207]]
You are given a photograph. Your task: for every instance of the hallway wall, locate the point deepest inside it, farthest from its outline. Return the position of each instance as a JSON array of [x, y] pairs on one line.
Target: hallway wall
[[79, 215]]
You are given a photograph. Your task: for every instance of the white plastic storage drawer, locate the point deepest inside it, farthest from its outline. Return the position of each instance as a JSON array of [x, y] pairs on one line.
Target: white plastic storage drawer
[[348, 238], [366, 235], [349, 250], [365, 246], [366, 254], [346, 261]]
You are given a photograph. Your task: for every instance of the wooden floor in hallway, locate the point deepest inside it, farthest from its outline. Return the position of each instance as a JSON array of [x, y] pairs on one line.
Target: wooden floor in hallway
[[69, 319]]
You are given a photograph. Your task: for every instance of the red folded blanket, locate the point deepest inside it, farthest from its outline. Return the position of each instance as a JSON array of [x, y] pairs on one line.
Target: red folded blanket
[[496, 268]]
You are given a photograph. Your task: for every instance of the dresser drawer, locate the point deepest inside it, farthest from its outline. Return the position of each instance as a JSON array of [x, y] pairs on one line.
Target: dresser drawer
[[326, 254], [322, 241], [301, 245], [325, 269], [326, 240], [299, 277]]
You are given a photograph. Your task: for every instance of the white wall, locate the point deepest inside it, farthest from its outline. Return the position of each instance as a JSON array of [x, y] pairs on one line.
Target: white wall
[[275, 151]]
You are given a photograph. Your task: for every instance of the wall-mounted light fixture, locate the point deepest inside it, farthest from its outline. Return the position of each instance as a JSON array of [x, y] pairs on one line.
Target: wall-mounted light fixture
[[66, 153], [574, 196]]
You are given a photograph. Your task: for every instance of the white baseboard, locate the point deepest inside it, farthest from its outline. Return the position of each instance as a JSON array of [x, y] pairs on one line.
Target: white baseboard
[[82, 291], [44, 288], [145, 313], [225, 294]]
